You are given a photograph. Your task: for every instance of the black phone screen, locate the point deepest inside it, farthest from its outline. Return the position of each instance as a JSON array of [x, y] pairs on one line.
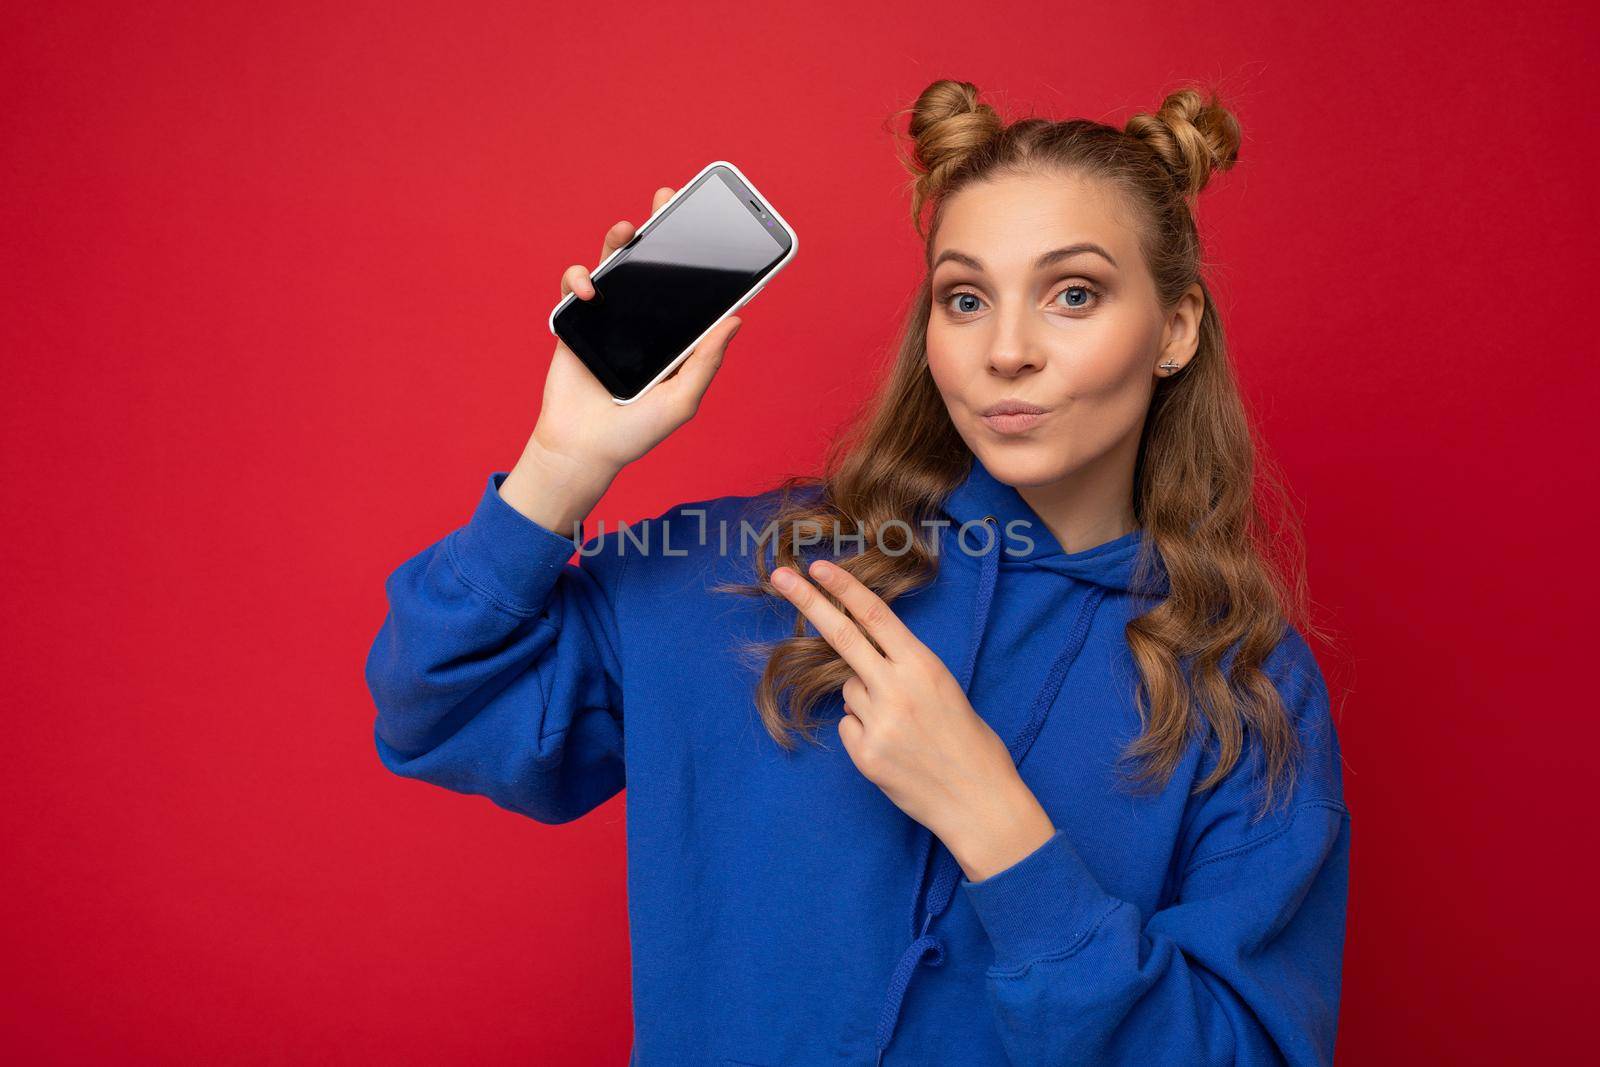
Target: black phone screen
[[665, 288]]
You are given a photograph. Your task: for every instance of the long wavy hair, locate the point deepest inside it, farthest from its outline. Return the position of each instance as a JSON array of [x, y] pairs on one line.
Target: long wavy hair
[[1221, 522]]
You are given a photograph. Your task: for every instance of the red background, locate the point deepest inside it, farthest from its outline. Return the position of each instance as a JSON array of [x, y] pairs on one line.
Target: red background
[[275, 287]]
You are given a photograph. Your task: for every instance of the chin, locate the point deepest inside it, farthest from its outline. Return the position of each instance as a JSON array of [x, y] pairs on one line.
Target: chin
[[1025, 463]]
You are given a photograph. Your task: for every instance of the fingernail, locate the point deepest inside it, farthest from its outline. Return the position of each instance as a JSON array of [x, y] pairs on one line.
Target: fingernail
[[783, 578]]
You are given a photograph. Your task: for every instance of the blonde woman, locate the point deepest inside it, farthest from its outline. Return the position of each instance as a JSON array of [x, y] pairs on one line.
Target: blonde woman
[[999, 741]]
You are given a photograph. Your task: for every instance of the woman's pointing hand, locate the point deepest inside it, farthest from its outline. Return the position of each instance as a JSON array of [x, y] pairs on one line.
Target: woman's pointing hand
[[909, 727]]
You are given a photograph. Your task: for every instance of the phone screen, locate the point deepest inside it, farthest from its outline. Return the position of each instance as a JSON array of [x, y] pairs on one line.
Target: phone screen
[[658, 294]]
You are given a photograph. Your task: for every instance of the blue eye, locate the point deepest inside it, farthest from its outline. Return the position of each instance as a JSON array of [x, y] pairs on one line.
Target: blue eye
[[1077, 298], [1084, 289]]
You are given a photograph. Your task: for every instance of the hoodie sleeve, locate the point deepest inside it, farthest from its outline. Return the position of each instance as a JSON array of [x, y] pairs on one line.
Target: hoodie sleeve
[[497, 669], [1243, 966]]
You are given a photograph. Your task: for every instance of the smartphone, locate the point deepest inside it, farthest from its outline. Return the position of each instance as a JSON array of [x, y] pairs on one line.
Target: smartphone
[[703, 255]]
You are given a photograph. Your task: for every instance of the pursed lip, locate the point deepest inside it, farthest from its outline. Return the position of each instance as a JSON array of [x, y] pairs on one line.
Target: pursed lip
[[1013, 417], [1013, 407]]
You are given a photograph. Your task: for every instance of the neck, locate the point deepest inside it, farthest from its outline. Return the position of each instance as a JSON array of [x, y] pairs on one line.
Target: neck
[[1093, 504]]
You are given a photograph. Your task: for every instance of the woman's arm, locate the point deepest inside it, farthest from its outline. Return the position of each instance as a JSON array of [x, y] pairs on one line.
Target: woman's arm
[[497, 670], [1243, 966]]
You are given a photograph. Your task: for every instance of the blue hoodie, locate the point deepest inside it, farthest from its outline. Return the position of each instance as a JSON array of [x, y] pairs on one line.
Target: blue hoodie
[[782, 910]]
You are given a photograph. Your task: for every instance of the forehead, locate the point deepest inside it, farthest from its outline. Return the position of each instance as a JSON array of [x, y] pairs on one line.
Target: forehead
[[1008, 221]]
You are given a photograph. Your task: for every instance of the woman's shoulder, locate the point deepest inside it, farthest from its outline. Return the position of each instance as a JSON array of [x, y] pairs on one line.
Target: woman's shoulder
[[1232, 813], [1308, 711], [1308, 703]]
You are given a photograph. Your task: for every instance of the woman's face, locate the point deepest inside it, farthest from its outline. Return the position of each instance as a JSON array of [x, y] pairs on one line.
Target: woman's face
[[1079, 334]]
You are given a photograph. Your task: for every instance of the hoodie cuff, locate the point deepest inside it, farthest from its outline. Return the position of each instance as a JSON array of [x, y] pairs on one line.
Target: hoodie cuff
[[1042, 905], [506, 555]]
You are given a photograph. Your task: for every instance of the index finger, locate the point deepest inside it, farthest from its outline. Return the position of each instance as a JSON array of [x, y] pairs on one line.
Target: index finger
[[870, 610], [833, 625]]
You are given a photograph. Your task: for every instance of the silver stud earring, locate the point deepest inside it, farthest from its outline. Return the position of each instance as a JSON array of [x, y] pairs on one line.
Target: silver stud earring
[[1170, 366]]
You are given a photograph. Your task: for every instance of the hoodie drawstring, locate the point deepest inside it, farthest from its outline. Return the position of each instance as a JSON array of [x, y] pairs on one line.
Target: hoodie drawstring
[[948, 870]]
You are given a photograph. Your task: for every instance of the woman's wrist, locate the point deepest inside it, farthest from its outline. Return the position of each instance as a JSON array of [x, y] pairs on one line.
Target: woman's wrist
[[1008, 827], [554, 490]]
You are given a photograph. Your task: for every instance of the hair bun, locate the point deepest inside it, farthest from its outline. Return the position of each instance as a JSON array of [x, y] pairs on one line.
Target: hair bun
[[948, 124], [1193, 137]]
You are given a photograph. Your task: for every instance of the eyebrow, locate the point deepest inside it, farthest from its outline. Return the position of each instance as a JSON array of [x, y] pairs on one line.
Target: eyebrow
[[1053, 256]]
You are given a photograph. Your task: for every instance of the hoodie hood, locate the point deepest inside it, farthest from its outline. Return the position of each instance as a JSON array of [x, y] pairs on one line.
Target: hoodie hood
[[994, 526], [1025, 538]]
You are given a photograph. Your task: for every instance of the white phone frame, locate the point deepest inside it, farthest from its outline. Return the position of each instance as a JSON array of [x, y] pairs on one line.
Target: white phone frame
[[794, 246]]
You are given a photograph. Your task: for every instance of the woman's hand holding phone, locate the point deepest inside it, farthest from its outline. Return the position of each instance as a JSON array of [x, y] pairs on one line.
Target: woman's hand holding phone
[[583, 438]]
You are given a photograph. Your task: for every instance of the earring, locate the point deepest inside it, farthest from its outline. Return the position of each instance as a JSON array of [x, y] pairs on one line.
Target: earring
[[1170, 366]]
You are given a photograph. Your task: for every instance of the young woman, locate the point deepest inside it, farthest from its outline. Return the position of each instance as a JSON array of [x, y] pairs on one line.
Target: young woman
[[1082, 800]]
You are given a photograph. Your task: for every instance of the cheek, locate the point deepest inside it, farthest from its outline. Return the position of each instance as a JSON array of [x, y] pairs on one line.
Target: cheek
[[949, 363], [942, 348], [1106, 399], [1105, 378], [1111, 361]]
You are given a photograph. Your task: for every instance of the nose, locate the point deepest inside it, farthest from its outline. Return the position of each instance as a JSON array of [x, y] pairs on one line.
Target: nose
[[1011, 363], [1012, 351]]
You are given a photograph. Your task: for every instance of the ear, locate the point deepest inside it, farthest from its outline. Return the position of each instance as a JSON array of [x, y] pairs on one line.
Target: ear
[[1181, 337]]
